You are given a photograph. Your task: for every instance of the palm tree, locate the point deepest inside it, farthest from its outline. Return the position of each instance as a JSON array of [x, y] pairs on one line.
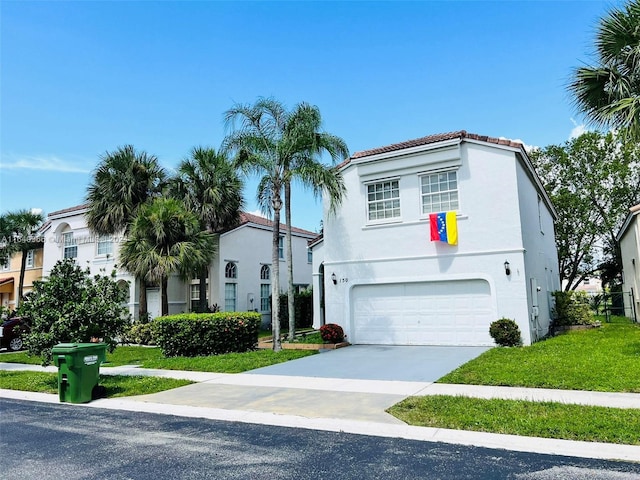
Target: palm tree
[[303, 130], [165, 238], [280, 146], [609, 93], [209, 186], [123, 181], [262, 148], [22, 227]]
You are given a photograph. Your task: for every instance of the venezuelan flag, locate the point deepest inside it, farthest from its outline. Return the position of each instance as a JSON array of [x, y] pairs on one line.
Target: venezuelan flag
[[444, 227]]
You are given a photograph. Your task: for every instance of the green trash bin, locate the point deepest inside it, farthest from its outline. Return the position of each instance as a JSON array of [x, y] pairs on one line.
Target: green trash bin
[[78, 369]]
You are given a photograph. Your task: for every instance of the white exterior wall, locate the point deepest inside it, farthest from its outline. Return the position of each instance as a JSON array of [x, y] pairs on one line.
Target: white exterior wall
[[400, 251], [541, 257], [630, 252], [249, 247]]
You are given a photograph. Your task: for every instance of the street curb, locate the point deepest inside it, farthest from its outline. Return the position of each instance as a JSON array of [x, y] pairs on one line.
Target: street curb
[[547, 446]]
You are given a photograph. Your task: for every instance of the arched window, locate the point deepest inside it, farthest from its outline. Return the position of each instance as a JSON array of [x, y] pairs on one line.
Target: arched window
[[230, 271], [265, 272]]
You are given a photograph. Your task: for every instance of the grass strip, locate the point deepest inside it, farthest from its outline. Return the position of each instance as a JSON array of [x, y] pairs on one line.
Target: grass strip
[[116, 385], [605, 359], [228, 362], [524, 418]]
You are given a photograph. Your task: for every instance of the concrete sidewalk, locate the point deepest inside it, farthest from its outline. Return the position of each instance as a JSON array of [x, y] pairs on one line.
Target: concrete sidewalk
[[345, 405]]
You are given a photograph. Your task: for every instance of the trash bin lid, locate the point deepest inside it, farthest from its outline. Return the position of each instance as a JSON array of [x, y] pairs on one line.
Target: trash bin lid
[[74, 347]]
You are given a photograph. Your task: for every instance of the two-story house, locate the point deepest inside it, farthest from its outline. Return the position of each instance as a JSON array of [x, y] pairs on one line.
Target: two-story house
[[629, 240], [239, 277], [382, 271], [10, 276]]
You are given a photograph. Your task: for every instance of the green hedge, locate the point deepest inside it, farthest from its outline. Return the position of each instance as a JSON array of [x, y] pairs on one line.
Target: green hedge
[[572, 308], [303, 307], [194, 334]]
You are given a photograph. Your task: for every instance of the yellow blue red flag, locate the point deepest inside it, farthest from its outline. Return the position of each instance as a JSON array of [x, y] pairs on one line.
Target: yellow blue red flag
[[444, 227]]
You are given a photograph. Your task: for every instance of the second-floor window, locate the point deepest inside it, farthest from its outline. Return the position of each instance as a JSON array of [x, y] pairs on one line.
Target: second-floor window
[[105, 246], [230, 270], [70, 247], [439, 192], [265, 272], [31, 258], [383, 200], [281, 248], [4, 266]]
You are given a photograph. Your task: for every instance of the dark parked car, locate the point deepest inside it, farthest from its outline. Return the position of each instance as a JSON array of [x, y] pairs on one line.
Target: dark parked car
[[11, 332]]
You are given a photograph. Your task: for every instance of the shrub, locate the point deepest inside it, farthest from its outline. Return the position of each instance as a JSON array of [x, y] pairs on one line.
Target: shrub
[[194, 334], [505, 332], [572, 308], [332, 333], [303, 307], [141, 333], [72, 306]]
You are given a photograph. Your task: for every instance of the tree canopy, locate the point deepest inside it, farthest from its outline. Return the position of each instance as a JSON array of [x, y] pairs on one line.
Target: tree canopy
[[608, 92], [592, 181]]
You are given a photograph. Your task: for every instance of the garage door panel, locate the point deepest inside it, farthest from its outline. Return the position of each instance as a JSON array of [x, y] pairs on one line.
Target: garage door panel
[[423, 313]]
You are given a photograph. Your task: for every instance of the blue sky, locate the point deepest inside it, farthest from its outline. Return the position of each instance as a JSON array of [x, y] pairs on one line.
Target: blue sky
[[80, 78]]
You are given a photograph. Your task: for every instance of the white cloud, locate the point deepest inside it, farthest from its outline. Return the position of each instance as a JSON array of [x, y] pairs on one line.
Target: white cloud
[[51, 164], [577, 129]]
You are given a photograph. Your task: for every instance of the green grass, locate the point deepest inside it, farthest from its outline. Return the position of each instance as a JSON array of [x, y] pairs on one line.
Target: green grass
[[116, 385], [151, 357], [229, 362], [605, 359], [536, 419], [312, 337]]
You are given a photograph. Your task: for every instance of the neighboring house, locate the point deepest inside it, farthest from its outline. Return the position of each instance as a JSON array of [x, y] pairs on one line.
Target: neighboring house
[[378, 274], [10, 276], [629, 240], [590, 285], [239, 278]]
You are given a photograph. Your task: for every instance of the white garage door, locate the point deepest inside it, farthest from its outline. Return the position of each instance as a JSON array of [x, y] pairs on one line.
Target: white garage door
[[427, 313]]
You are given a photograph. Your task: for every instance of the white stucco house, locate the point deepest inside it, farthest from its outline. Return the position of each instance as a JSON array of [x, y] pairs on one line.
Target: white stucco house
[[239, 277], [379, 274], [629, 240]]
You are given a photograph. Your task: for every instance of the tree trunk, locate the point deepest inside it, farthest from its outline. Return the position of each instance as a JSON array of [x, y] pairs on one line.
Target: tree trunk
[[142, 299], [165, 296], [23, 267], [290, 297], [203, 290], [275, 283]]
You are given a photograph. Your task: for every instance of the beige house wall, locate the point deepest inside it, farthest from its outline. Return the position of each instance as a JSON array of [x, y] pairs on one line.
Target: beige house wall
[[8, 299]]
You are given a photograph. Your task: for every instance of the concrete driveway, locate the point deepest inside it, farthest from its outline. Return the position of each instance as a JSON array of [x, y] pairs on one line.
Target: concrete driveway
[[378, 362]]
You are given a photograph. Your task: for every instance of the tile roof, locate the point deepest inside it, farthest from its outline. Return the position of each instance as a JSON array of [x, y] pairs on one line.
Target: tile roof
[[265, 222], [440, 137], [69, 210]]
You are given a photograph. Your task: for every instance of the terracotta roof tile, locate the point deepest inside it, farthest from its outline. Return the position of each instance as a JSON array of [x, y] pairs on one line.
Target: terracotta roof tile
[[258, 220], [440, 137], [69, 210]]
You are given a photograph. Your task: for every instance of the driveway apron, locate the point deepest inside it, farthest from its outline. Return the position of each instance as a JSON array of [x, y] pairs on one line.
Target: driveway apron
[[378, 362]]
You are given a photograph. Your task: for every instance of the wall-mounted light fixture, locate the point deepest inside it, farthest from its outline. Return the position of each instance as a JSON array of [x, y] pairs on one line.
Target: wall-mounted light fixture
[[507, 269], [334, 279]]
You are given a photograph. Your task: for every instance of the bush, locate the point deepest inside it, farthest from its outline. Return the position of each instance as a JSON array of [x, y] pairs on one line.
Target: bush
[[194, 334], [303, 307], [505, 332], [72, 306], [141, 333], [572, 308], [332, 333]]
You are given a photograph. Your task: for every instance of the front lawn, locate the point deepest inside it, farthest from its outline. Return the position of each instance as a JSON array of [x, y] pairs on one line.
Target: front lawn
[[116, 385], [151, 357], [605, 359], [535, 419]]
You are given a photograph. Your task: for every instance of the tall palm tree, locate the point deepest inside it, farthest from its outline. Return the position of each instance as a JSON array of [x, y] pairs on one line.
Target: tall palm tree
[[209, 186], [304, 131], [262, 148], [123, 181], [22, 227], [281, 146], [165, 238], [609, 92]]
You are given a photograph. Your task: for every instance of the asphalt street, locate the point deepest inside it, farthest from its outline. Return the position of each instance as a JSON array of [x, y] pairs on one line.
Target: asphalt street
[[49, 441]]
